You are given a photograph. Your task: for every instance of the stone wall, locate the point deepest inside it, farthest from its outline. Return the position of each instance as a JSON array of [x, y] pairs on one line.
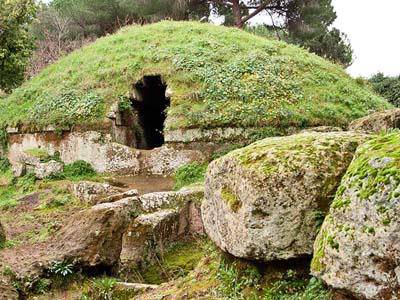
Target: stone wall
[[99, 149]]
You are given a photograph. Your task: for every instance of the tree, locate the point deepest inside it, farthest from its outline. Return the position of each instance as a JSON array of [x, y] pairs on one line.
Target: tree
[[388, 87], [16, 43], [309, 24], [303, 22], [99, 17]]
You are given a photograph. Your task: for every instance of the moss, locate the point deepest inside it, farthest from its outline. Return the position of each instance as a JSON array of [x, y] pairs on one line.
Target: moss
[[177, 261], [367, 179], [340, 202], [369, 229], [308, 150], [38, 153], [219, 77], [231, 199], [317, 264]]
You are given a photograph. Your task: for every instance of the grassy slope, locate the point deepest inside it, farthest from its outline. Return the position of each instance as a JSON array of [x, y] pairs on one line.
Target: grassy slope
[[219, 77]]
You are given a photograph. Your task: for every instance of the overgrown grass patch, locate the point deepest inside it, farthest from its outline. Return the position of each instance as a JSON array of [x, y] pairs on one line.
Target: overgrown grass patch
[[219, 76], [189, 174], [76, 171], [177, 261]]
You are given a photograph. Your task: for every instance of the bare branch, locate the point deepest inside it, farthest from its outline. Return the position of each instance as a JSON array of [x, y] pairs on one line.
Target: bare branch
[[256, 11]]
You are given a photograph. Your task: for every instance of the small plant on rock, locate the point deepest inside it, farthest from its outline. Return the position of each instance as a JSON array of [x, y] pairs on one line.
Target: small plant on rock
[[42, 286], [101, 289], [61, 268]]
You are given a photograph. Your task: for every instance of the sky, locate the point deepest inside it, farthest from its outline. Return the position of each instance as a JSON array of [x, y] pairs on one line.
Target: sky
[[373, 28]]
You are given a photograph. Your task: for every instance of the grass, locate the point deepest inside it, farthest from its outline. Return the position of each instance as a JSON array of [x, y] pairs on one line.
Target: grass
[[219, 77], [189, 174], [218, 276], [177, 261]]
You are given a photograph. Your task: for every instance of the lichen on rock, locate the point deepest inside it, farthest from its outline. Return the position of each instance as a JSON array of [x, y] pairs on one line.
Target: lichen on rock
[[358, 249], [264, 201]]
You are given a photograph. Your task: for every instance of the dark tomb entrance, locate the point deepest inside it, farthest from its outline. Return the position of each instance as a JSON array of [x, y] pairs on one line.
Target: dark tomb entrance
[[150, 103]]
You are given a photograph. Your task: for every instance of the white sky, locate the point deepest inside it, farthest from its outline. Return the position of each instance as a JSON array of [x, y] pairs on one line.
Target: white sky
[[373, 28]]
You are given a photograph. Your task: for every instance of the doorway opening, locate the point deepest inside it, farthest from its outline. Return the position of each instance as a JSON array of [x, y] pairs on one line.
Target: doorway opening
[[150, 103]]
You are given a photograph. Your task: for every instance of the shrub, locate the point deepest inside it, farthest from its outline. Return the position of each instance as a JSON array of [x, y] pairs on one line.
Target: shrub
[[101, 289], [78, 170], [189, 174], [388, 87], [4, 164]]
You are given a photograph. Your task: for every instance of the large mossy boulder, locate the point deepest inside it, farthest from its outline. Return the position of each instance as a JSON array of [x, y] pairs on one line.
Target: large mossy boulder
[[265, 201], [217, 77], [358, 247]]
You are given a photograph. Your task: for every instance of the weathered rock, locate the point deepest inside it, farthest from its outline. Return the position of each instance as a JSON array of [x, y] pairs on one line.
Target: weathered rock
[[263, 202], [92, 192], [322, 129], [119, 196], [7, 291], [2, 235], [358, 247], [47, 169], [18, 169], [91, 240], [170, 216], [377, 122], [147, 235], [190, 221], [165, 160], [93, 237], [158, 200], [132, 287]]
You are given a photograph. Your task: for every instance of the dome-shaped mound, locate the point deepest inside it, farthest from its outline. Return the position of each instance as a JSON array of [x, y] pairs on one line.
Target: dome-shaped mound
[[216, 77]]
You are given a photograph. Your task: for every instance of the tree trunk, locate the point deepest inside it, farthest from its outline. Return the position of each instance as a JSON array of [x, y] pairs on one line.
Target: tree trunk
[[237, 15]]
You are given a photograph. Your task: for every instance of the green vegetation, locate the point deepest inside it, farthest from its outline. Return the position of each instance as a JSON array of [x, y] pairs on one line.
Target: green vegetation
[[231, 199], [189, 174], [61, 268], [16, 44], [42, 154], [16, 187], [4, 164], [384, 150], [101, 289], [78, 170], [388, 87], [234, 279], [219, 77], [298, 289], [176, 262], [272, 155]]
